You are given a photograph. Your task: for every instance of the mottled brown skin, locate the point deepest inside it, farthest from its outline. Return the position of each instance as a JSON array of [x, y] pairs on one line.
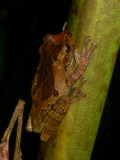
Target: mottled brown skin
[[59, 68]]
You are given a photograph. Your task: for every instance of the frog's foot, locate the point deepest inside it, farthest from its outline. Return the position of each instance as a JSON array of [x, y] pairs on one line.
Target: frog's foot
[[85, 53], [29, 125], [77, 94], [81, 62]]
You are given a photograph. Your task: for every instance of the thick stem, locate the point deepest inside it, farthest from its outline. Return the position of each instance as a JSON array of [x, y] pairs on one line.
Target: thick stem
[[99, 19]]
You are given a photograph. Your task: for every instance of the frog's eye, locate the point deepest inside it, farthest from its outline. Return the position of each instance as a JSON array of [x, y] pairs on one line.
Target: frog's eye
[[67, 48]]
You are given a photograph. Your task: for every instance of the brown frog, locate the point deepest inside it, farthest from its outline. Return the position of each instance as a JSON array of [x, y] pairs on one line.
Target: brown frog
[[52, 89]]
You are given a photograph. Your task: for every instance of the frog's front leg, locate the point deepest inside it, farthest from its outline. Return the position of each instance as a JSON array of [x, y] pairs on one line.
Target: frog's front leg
[[81, 63]]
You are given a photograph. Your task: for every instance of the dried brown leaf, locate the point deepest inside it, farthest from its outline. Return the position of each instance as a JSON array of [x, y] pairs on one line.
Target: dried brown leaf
[[4, 150]]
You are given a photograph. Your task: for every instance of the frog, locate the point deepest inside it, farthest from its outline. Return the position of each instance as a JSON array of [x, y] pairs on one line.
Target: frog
[[53, 91]]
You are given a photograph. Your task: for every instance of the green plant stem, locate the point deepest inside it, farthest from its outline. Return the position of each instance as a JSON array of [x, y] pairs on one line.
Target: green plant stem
[[99, 19]]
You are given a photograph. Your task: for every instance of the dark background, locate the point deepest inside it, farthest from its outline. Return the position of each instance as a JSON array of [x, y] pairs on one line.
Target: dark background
[[22, 27]]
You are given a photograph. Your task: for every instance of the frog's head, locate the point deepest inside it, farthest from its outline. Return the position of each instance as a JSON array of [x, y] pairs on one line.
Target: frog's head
[[60, 39]]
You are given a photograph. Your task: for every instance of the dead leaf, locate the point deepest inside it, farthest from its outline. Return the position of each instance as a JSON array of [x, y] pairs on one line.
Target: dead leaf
[[4, 149]]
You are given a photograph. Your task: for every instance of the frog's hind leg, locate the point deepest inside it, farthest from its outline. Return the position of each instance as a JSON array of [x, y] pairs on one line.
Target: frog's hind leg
[[54, 117], [77, 94]]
